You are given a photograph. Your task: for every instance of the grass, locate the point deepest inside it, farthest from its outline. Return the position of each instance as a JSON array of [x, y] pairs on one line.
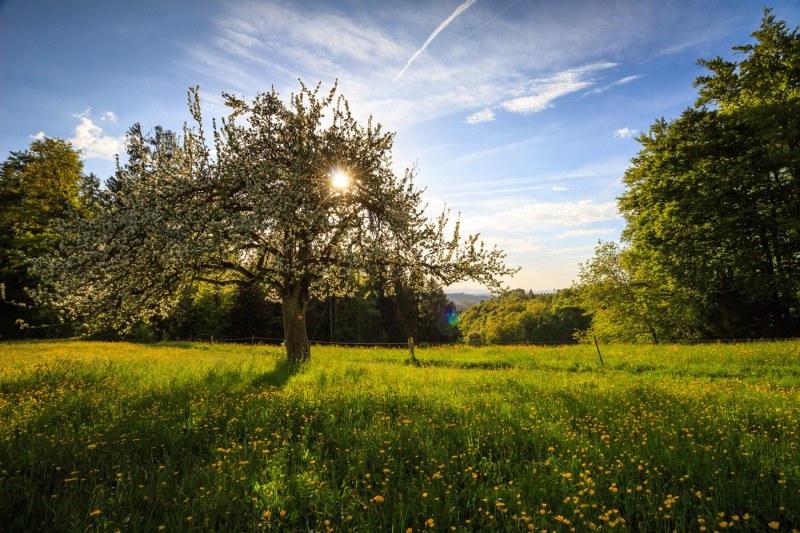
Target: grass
[[179, 437]]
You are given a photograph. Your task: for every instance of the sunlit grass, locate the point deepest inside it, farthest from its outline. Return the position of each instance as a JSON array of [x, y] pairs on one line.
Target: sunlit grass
[[108, 436]]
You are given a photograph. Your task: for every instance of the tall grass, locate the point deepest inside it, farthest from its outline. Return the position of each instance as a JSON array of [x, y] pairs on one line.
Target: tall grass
[[178, 437]]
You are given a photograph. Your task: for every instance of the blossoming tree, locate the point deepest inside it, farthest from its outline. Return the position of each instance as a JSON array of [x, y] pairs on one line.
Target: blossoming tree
[[295, 195]]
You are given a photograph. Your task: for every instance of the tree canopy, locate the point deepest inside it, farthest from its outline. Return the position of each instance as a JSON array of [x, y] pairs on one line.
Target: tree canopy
[[264, 204], [713, 201], [39, 187], [517, 317]]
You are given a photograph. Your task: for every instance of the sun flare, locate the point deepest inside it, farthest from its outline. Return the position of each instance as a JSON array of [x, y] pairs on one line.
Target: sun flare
[[340, 179]]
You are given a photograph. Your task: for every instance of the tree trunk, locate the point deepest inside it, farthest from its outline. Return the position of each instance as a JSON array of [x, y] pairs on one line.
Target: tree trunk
[[294, 305]]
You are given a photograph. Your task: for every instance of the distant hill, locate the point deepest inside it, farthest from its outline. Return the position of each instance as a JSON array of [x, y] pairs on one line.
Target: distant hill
[[464, 300]]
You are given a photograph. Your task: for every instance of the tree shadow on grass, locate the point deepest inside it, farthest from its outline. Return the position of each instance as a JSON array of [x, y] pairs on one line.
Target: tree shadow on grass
[[279, 376]]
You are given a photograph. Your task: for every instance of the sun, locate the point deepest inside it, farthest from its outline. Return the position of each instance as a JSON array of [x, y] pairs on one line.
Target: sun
[[340, 179]]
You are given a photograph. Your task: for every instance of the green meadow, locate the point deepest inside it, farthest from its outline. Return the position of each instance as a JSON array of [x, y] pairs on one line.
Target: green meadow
[[181, 437]]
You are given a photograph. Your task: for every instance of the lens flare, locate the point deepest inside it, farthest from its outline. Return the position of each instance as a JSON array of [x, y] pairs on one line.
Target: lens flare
[[339, 179], [452, 318]]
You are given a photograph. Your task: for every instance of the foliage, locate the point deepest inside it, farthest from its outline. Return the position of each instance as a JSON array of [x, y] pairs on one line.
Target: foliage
[[712, 208], [263, 210], [39, 187], [108, 436], [517, 317], [628, 301]]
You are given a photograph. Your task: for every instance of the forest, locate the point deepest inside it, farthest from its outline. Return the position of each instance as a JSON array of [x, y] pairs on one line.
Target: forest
[[710, 249]]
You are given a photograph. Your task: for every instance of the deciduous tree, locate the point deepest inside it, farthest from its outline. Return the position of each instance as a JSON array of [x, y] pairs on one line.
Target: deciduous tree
[[713, 199], [266, 203], [39, 187]]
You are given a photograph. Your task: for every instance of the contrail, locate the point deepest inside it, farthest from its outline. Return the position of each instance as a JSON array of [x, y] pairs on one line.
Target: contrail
[[495, 16], [460, 9]]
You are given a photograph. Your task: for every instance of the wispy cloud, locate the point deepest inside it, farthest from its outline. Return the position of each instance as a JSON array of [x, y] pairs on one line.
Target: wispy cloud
[[539, 94], [622, 81], [515, 64], [520, 217], [39, 136], [109, 116], [570, 250], [460, 9], [92, 141], [484, 115], [628, 79], [625, 133], [585, 232], [480, 154], [544, 91], [570, 214]]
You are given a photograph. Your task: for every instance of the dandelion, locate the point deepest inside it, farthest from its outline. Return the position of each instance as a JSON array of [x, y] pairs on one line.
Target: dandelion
[[774, 525], [96, 512]]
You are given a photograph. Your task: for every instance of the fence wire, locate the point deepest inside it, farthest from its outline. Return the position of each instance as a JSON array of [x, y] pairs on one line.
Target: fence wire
[[278, 341]]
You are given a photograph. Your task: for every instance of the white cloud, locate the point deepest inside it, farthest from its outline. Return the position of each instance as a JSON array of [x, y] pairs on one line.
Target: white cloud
[[558, 188], [39, 136], [300, 34], [546, 90], [569, 250], [520, 247], [622, 81], [109, 116], [625, 133], [627, 79], [90, 139], [503, 216], [485, 115], [596, 171], [569, 214], [585, 232]]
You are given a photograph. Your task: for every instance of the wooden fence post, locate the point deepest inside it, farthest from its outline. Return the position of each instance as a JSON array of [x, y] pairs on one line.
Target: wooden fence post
[[411, 350]]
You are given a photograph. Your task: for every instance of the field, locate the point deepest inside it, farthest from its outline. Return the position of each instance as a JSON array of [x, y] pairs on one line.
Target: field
[[177, 437]]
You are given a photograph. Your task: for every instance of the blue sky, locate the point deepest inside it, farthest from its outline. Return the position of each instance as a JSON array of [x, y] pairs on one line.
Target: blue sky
[[518, 114]]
